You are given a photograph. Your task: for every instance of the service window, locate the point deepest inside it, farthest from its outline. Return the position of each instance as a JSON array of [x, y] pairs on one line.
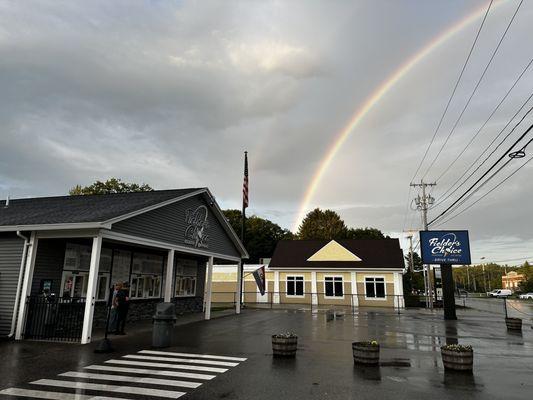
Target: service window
[[295, 286], [333, 286], [186, 277], [374, 287]]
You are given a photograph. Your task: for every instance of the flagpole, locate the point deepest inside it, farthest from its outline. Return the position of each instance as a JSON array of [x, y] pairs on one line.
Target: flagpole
[[243, 224]]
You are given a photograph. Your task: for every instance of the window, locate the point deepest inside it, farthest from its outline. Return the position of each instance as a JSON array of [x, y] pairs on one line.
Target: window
[[333, 286], [146, 275], [186, 277], [295, 286], [375, 287]]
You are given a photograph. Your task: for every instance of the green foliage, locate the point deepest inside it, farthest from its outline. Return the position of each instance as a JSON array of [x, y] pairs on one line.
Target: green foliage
[[328, 225], [112, 185], [527, 271], [325, 225], [473, 279], [261, 235]]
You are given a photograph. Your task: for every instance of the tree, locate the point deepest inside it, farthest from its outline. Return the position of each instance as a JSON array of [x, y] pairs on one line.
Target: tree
[[364, 233], [527, 285], [261, 235], [325, 225], [112, 185], [413, 280]]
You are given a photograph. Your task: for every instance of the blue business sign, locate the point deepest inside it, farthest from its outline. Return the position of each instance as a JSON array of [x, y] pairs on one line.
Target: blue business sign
[[445, 247]]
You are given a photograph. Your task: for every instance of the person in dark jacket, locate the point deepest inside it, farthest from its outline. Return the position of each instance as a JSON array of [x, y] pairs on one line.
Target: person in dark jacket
[[123, 304]]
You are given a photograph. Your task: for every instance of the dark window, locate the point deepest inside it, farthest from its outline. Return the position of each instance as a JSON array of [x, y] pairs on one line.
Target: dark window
[[375, 287], [333, 286], [295, 286]]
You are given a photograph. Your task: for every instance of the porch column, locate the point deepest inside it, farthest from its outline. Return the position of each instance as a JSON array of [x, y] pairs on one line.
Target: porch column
[[26, 286], [92, 281], [398, 291], [314, 289], [239, 289], [275, 295], [169, 277], [355, 297], [209, 287]]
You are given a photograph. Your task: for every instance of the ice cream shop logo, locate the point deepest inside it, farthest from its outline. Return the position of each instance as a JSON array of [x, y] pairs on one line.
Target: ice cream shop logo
[[445, 247], [197, 226]]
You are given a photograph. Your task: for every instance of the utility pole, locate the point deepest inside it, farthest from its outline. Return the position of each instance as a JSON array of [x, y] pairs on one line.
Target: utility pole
[[422, 204], [411, 260]]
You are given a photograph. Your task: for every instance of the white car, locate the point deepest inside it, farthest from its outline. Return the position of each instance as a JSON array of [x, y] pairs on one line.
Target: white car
[[526, 296]]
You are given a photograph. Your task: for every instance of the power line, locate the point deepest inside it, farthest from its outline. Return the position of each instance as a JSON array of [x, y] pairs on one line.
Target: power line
[[482, 176], [453, 91], [486, 194], [442, 200], [475, 89], [487, 120]]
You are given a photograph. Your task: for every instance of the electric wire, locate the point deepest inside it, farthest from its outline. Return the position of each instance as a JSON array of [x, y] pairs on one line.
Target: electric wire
[[487, 120], [446, 196], [453, 91], [495, 51], [482, 176]]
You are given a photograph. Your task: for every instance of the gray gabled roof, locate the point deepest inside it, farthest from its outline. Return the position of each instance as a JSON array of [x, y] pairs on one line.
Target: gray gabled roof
[[81, 209]]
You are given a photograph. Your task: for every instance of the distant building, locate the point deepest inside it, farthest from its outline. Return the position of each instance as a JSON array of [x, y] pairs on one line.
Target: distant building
[[320, 272], [512, 280]]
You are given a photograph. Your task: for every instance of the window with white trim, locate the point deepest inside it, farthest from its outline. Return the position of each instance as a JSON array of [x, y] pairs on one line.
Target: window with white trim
[[186, 278], [295, 286], [375, 287], [147, 270], [333, 286]]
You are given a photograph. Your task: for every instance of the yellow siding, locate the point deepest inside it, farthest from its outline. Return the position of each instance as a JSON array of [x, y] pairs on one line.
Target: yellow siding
[[333, 251], [389, 276], [283, 275]]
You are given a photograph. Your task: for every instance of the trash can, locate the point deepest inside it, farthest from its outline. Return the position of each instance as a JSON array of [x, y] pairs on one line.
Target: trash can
[[164, 320]]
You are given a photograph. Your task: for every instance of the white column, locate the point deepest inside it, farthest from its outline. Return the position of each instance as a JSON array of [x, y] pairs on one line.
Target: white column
[[26, 286], [169, 277], [209, 288], [314, 289], [399, 300], [238, 296], [355, 297], [91, 290], [275, 298]]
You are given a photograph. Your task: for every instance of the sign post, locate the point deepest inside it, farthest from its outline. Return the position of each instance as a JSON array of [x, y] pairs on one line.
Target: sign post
[[446, 248]]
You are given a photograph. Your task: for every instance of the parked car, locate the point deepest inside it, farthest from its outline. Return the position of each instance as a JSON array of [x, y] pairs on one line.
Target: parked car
[[526, 296], [492, 293], [501, 293]]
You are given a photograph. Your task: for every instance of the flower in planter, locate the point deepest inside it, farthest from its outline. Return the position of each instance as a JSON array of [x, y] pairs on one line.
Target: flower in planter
[[286, 335], [457, 347]]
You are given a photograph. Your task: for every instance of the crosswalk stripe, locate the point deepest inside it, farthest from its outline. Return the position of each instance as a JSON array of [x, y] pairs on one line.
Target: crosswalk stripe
[[164, 366], [123, 378], [42, 394], [143, 371], [185, 360], [170, 353], [109, 388]]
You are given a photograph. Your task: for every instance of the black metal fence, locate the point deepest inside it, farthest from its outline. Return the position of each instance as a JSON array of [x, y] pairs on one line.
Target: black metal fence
[[50, 318]]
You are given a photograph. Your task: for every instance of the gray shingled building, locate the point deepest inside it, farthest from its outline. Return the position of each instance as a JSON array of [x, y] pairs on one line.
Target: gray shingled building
[[60, 256]]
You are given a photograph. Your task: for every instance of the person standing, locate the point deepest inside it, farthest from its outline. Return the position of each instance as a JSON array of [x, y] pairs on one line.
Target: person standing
[[113, 318], [123, 303]]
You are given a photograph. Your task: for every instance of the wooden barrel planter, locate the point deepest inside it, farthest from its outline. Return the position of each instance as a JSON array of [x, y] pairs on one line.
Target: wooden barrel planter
[[513, 324], [366, 353], [457, 357], [284, 345]]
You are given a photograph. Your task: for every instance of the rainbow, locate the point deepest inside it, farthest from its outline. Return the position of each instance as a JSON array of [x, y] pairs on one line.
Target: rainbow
[[374, 98]]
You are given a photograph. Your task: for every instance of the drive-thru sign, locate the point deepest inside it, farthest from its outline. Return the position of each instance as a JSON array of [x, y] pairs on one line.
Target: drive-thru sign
[[446, 248]]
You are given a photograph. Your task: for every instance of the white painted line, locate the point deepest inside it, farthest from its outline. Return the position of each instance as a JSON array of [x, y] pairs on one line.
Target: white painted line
[[136, 379], [109, 388], [170, 353], [42, 394], [164, 366], [185, 360], [143, 371]]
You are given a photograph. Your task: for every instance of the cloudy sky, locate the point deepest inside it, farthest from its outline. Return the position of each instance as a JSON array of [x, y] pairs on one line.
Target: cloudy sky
[[171, 93]]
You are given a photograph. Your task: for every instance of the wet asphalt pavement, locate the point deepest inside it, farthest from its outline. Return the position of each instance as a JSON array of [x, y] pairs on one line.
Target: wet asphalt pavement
[[323, 368]]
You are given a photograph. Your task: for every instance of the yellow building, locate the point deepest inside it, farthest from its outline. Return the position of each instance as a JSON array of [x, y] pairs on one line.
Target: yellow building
[[348, 273], [512, 280]]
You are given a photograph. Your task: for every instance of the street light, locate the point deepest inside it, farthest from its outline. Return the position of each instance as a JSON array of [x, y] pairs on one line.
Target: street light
[[484, 280]]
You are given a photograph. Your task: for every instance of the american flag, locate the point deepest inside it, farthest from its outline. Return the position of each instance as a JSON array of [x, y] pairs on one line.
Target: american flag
[[245, 183]]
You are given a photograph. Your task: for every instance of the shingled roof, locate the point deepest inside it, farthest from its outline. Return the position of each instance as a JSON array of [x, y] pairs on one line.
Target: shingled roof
[[80, 209], [374, 253]]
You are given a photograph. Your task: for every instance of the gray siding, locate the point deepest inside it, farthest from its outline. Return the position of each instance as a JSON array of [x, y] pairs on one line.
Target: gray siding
[[168, 224], [11, 248], [49, 265]]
